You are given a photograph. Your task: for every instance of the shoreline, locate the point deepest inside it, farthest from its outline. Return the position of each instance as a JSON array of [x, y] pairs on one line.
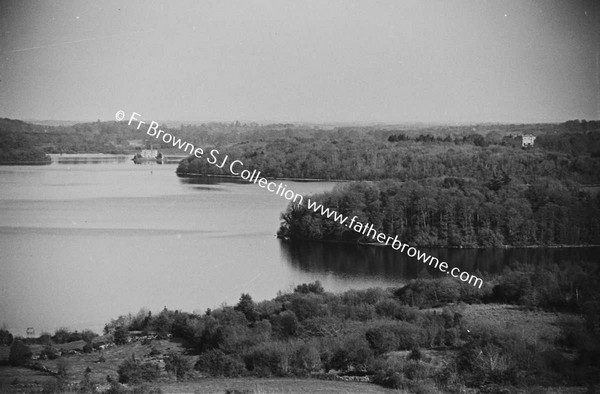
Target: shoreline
[[504, 247], [26, 163], [195, 175]]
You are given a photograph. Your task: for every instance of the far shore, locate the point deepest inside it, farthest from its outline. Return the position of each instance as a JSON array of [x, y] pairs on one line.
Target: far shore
[[195, 175]]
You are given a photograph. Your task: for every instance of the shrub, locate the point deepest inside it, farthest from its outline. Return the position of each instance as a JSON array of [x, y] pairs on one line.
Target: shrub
[[490, 363], [63, 335], [306, 359], [6, 338], [415, 354], [406, 313], [352, 352], [446, 290], [382, 339], [44, 339], [86, 385], [49, 353], [135, 372], [387, 307], [388, 373], [362, 312], [285, 324], [306, 306], [88, 335], [19, 353], [314, 287], [121, 335], [268, 308], [178, 365], [154, 352], [321, 327], [394, 336], [247, 307], [62, 368], [398, 373], [512, 287], [216, 363], [271, 358]]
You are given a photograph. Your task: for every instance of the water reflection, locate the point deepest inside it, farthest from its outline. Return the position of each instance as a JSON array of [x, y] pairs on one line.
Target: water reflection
[[384, 262], [211, 180], [109, 234], [89, 158]]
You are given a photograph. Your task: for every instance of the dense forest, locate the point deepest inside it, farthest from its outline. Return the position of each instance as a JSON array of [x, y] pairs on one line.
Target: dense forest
[[18, 148], [469, 191], [360, 154], [456, 212]]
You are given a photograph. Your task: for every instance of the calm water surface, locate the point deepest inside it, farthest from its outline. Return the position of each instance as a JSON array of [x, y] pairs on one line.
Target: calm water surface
[[86, 239]]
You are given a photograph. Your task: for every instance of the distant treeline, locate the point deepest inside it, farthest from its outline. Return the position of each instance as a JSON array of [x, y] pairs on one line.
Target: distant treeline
[[247, 139], [341, 156], [455, 212]]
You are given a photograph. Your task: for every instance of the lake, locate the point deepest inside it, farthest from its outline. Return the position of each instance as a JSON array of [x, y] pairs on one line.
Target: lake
[[90, 237]]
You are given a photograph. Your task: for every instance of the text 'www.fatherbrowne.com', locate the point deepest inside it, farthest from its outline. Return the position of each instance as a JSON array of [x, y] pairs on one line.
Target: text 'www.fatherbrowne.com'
[[236, 168]]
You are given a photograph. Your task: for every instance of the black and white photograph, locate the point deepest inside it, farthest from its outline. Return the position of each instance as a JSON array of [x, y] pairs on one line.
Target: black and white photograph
[[300, 196]]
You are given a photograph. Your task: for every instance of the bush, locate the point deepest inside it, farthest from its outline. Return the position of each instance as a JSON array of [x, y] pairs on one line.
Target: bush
[[388, 373], [154, 352], [490, 363], [382, 339], [352, 352], [387, 307], [306, 359], [271, 358], [121, 335], [6, 338], [285, 324], [62, 368], [415, 354], [391, 336], [86, 385], [63, 335], [216, 363], [178, 365], [49, 353], [398, 373], [306, 288], [513, 287], [88, 335], [306, 306], [247, 307], [19, 353], [135, 372], [45, 339]]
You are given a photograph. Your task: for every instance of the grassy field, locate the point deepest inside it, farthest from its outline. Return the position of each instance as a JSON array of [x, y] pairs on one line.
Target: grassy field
[[534, 326], [268, 386]]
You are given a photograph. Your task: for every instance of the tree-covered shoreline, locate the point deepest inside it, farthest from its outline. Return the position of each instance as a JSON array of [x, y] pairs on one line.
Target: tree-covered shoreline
[[454, 212]]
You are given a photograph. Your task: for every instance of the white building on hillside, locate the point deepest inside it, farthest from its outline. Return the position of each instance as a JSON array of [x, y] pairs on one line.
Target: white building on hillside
[[528, 140]]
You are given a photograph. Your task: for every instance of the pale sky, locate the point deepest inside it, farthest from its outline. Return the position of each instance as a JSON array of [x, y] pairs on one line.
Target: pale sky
[[301, 61]]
